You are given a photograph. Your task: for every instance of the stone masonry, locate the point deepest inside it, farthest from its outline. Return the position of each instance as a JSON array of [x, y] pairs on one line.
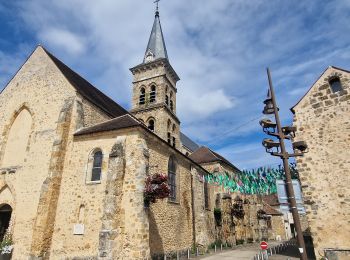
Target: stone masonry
[[322, 120]]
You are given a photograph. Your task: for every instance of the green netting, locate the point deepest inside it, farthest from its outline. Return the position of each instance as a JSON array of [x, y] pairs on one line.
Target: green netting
[[256, 181]]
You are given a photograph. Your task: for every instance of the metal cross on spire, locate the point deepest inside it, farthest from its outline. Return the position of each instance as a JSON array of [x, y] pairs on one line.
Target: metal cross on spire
[[157, 5]]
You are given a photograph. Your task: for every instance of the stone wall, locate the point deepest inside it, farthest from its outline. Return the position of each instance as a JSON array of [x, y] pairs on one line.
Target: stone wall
[[322, 120], [37, 81], [204, 217], [91, 114], [277, 229], [162, 118], [157, 74], [171, 226], [114, 220]]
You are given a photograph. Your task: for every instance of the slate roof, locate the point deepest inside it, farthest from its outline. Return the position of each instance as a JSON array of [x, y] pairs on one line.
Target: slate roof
[[121, 122], [87, 90], [271, 199], [156, 43], [188, 143], [206, 155], [271, 211]]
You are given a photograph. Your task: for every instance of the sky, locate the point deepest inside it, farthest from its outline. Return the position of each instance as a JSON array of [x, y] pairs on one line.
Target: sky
[[220, 50]]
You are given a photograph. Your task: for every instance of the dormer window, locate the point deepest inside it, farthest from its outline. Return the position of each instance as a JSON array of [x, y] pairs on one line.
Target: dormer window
[[335, 84], [152, 97], [149, 56], [142, 96]]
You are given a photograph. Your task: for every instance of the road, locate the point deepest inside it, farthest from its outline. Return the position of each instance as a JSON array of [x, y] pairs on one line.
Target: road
[[248, 252]]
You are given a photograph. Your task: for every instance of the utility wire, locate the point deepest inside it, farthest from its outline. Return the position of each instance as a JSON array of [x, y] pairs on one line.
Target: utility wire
[[235, 128]]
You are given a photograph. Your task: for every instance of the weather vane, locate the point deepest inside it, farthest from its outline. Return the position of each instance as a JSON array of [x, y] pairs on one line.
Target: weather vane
[[157, 4]]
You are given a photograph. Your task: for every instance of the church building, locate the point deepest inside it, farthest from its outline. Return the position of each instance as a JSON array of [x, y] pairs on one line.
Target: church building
[[73, 165]]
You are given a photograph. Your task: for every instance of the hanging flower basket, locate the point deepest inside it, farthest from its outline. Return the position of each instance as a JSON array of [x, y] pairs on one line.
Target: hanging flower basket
[[156, 187]]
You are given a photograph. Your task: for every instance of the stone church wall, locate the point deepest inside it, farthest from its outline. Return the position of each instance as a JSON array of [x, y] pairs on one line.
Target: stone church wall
[[119, 235], [170, 222], [204, 217], [322, 120], [91, 114], [37, 79]]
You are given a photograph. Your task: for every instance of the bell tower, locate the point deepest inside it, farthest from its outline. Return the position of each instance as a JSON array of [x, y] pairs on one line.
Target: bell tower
[[154, 89]]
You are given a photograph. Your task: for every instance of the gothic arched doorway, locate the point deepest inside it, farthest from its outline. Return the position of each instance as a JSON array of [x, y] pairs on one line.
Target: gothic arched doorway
[[5, 217]]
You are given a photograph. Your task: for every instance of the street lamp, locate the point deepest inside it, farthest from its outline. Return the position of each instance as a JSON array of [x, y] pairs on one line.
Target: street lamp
[[278, 148]]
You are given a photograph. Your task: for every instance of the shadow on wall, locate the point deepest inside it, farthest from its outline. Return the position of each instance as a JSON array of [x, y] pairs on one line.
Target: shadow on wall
[[155, 240]]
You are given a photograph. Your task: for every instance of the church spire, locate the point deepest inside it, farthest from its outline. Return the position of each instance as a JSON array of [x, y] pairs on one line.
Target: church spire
[[156, 45]]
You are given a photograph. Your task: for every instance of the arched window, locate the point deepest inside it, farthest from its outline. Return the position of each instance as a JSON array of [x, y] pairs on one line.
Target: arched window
[[96, 166], [335, 84], [167, 100], [171, 105], [169, 124], [152, 96], [142, 96], [18, 139], [169, 138], [174, 141], [151, 125], [174, 128], [172, 178], [5, 217]]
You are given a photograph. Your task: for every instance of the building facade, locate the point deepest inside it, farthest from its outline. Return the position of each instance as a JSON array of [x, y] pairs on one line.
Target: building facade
[[73, 165], [322, 118]]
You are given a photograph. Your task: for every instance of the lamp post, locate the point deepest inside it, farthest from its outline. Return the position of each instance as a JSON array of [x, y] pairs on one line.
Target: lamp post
[[278, 148]]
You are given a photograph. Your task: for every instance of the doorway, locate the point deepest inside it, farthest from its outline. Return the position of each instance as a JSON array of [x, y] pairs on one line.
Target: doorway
[[5, 217], [292, 230]]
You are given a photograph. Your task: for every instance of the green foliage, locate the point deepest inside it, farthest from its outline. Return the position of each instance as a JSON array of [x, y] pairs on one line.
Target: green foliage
[[6, 244], [217, 243], [256, 181], [239, 241]]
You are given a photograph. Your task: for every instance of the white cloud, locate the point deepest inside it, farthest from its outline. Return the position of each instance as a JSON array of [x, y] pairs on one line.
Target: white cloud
[[220, 51], [203, 104], [68, 41]]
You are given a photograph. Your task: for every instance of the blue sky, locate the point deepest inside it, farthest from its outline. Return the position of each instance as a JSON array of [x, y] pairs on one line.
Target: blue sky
[[220, 50]]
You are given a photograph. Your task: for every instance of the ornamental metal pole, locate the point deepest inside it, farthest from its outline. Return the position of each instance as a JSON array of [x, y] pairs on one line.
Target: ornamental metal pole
[[290, 191]]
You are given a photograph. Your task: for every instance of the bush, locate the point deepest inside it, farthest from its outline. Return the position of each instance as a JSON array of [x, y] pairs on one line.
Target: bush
[[217, 243], [239, 241]]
